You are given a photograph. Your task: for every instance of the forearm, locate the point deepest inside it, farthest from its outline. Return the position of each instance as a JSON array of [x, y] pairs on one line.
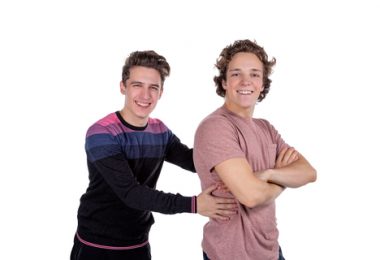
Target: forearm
[[247, 187], [294, 175], [117, 174], [271, 192], [144, 198]]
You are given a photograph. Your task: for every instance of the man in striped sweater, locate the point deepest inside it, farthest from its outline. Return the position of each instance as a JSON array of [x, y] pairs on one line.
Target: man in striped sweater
[[125, 154]]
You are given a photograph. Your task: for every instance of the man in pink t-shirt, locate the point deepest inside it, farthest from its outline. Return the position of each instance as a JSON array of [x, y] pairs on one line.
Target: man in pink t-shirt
[[248, 155]]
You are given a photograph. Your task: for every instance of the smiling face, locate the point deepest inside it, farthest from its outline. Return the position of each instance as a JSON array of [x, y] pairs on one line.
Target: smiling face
[[142, 91], [243, 84]]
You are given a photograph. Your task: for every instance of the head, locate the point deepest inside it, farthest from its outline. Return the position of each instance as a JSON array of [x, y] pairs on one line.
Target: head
[[245, 46], [143, 76], [149, 59]]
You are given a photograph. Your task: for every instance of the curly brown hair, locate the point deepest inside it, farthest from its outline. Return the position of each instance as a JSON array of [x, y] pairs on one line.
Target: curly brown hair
[[226, 56], [148, 59]]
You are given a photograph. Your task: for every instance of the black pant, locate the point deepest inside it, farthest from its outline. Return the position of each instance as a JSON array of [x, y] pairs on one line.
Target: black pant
[[280, 257], [81, 251]]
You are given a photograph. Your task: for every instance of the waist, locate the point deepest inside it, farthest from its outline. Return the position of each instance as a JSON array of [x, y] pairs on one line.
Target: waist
[[109, 247]]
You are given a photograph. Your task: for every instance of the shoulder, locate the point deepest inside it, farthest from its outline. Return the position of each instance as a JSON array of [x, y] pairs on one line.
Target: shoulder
[[215, 126], [267, 128], [156, 126], [215, 120], [263, 123], [109, 124]]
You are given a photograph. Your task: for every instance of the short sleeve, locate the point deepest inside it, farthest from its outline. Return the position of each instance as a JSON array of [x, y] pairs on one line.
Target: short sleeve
[[216, 140], [276, 137]]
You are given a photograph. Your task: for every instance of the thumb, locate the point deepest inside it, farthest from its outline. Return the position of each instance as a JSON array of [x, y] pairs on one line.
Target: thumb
[[210, 189]]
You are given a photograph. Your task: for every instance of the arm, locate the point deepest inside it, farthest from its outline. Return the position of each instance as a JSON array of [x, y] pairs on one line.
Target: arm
[[244, 185], [208, 205], [107, 159], [179, 154], [117, 173], [292, 170]]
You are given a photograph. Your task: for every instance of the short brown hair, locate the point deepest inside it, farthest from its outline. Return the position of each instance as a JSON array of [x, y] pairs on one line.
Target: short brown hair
[[149, 59]]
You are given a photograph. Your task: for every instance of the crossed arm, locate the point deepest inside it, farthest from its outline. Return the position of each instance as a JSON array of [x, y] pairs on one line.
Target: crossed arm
[[257, 188]]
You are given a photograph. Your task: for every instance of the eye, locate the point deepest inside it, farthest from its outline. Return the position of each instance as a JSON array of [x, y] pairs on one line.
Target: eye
[[155, 88], [255, 75]]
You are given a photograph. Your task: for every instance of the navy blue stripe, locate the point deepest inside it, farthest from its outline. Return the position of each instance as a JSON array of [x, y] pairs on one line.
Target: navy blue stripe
[[101, 152], [132, 152], [130, 139], [137, 152]]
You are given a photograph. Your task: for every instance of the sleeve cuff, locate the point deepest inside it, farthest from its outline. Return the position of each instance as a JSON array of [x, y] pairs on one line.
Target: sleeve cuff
[[194, 204]]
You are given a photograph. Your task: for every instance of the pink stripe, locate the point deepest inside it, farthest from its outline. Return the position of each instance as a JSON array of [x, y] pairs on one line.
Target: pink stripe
[[110, 247], [155, 126], [108, 120]]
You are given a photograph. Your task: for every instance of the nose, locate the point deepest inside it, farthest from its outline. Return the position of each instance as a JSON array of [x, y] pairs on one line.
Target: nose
[[145, 93], [246, 80]]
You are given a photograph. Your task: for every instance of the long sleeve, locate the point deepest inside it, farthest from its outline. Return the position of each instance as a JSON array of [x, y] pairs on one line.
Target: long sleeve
[[107, 158]]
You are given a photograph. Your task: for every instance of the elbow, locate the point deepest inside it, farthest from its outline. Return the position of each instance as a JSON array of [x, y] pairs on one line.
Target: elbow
[[251, 201], [313, 175], [309, 177]]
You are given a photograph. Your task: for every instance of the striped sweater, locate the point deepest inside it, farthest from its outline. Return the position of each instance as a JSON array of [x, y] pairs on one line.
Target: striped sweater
[[124, 163]]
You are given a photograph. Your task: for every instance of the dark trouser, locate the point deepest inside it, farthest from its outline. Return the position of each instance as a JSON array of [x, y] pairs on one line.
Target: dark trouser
[[81, 251], [280, 257]]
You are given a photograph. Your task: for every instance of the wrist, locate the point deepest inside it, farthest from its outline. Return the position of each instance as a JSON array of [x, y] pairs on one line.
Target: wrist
[[269, 174]]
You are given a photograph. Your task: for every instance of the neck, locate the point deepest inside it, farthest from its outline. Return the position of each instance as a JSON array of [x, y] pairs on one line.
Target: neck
[[133, 120], [240, 111]]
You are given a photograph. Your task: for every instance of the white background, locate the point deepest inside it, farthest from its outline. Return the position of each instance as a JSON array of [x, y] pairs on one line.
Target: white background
[[60, 66]]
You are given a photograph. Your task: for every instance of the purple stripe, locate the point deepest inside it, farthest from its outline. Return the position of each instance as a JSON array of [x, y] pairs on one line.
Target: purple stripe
[[112, 124], [110, 247]]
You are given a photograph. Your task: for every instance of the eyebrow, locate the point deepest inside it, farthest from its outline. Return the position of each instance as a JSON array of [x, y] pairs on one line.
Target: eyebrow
[[136, 82], [141, 83], [233, 70]]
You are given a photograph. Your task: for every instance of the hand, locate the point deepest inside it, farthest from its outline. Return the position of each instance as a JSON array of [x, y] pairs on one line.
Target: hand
[[215, 207], [286, 157]]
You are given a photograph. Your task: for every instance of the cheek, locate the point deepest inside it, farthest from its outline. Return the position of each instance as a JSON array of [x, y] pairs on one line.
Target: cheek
[[259, 85]]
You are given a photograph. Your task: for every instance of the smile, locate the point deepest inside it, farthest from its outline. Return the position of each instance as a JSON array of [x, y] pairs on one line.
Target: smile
[[245, 92], [143, 104]]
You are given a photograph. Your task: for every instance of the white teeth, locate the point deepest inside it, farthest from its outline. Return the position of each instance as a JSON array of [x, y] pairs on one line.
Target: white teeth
[[245, 92], [142, 104]]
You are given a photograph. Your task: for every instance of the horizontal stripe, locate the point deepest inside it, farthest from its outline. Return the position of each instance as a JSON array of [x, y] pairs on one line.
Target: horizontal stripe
[[112, 125], [102, 152], [131, 152], [110, 247], [131, 139]]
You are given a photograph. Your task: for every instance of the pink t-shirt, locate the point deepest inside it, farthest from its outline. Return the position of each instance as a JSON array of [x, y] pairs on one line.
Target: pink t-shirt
[[252, 233]]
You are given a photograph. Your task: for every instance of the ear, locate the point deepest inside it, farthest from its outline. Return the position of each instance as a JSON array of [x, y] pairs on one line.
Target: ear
[[122, 88], [224, 85], [162, 91]]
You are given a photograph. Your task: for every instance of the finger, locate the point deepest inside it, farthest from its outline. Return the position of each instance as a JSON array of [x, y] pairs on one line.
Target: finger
[[232, 207], [219, 217], [281, 155], [227, 213], [225, 201], [223, 188], [288, 154], [294, 157]]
